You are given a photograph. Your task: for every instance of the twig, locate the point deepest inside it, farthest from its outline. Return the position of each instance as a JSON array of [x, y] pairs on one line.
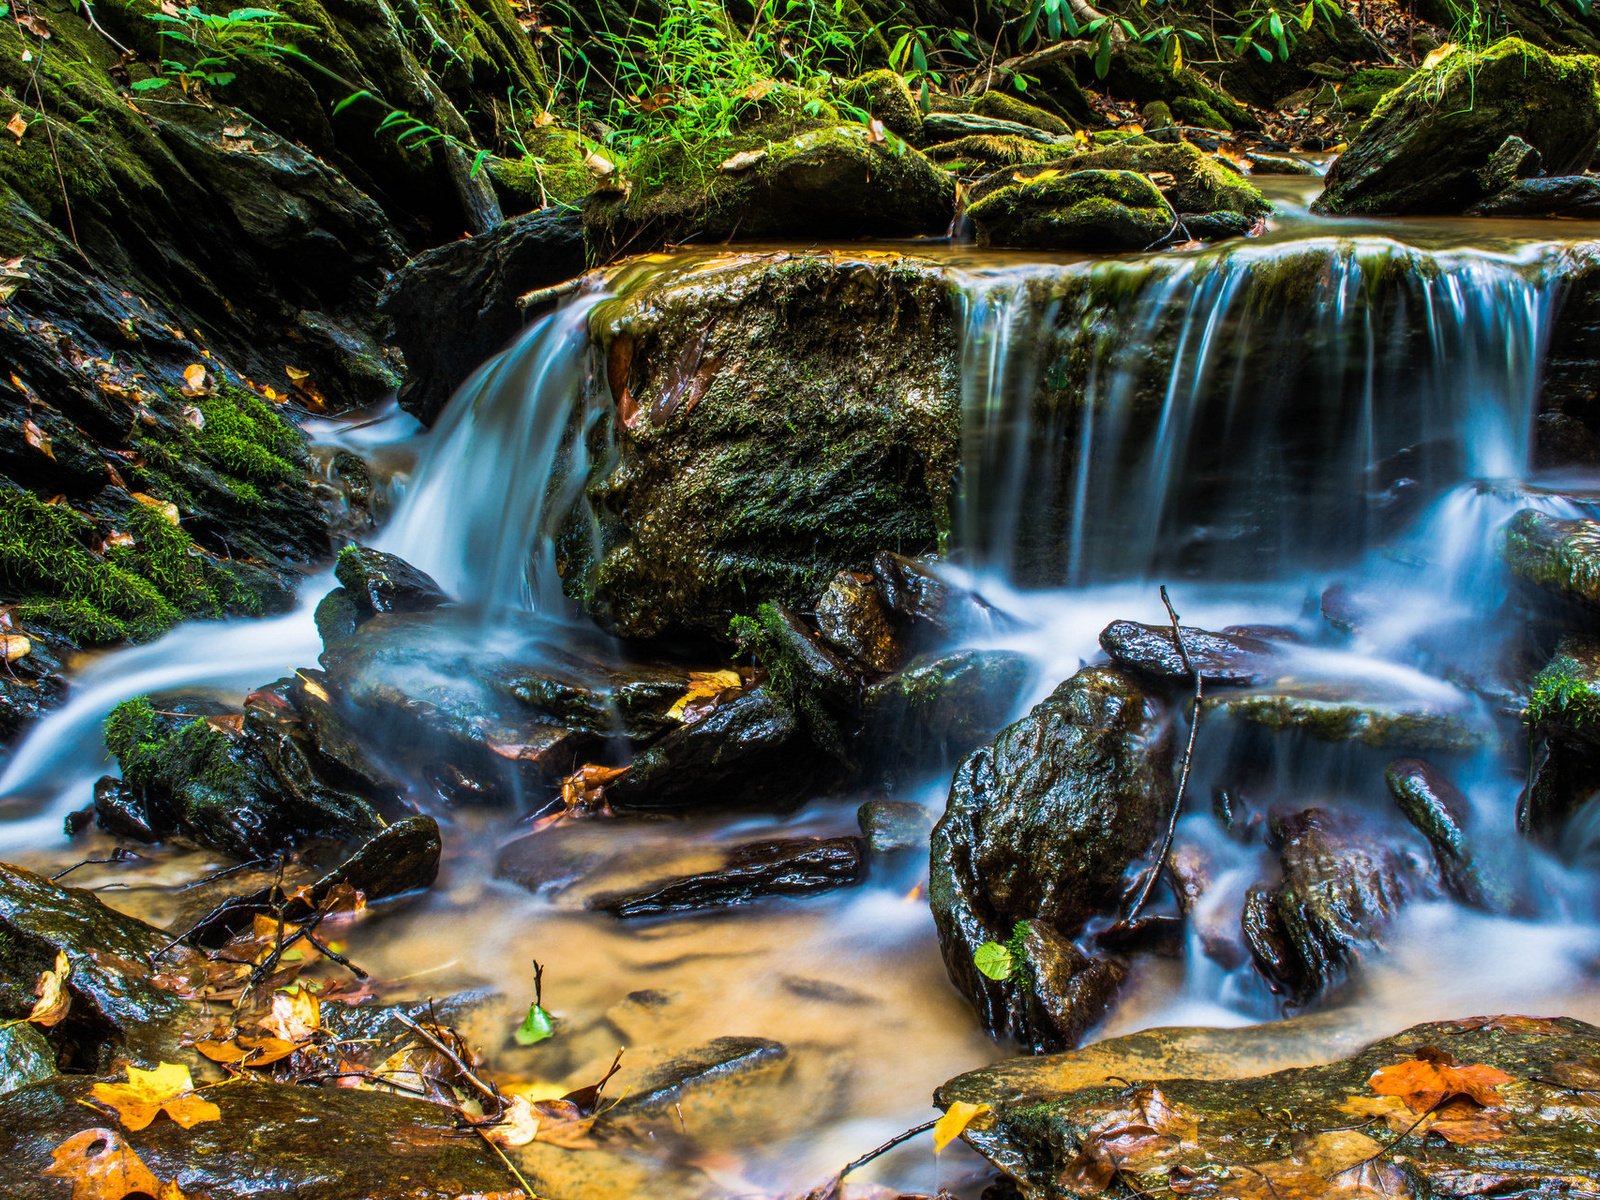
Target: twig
[[510, 1166], [1183, 774], [120, 855], [328, 952], [888, 1146], [455, 1059]]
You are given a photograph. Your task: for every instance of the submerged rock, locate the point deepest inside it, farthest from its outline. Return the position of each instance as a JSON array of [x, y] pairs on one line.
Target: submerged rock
[[890, 826], [721, 1062], [1212, 1102], [1559, 555], [1080, 210], [1230, 659], [1341, 886], [1042, 826], [369, 1145], [1442, 141], [752, 871]]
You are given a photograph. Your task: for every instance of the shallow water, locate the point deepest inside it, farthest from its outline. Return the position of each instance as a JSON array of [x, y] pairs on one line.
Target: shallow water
[[852, 982]]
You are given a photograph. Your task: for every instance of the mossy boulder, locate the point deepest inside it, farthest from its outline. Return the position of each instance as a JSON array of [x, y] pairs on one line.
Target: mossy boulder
[[1559, 556], [782, 179], [1040, 827], [767, 435], [1563, 718], [1010, 108], [1431, 145], [1081, 210], [1213, 1113], [884, 94], [1337, 711], [981, 153]]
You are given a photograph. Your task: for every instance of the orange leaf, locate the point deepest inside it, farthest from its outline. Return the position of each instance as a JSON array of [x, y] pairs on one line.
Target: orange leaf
[[37, 438], [169, 1089], [1425, 1085], [195, 382], [16, 127], [101, 1166]]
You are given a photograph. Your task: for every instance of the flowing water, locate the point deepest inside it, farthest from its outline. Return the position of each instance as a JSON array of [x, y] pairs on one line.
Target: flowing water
[[1328, 405]]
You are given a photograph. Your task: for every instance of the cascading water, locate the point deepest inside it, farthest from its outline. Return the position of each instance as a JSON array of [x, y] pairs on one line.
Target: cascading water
[[1248, 426]]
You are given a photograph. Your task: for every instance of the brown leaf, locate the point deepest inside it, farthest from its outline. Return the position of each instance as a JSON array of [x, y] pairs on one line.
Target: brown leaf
[[14, 646], [166, 508], [196, 382], [167, 1089], [36, 438], [101, 1166], [16, 127], [1509, 1024], [1340, 1165], [1425, 1085], [1577, 1074], [54, 1001]]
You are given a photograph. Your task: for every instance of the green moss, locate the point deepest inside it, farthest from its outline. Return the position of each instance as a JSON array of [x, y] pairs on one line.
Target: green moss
[[1197, 112], [1568, 689], [979, 152], [1078, 210], [1008, 108], [191, 760], [764, 638], [552, 172], [1202, 184], [884, 94]]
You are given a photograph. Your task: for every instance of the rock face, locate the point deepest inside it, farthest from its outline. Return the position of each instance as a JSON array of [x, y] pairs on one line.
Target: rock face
[[1083, 210], [1440, 143], [380, 583], [1209, 1115], [1042, 826], [766, 437], [454, 306], [1563, 738], [1563, 196]]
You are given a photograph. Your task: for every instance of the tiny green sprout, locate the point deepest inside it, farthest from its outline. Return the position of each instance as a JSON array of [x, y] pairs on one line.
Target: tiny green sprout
[[538, 1024]]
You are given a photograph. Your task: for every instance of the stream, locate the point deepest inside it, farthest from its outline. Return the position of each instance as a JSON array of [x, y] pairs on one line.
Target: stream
[[1247, 440]]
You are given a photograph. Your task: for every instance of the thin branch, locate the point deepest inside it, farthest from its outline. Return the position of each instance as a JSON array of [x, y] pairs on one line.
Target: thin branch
[[887, 1146]]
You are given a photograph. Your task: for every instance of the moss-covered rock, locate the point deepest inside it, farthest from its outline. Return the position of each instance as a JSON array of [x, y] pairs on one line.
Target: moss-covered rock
[[885, 95], [784, 178], [766, 436], [1430, 144], [979, 154], [1040, 827], [1010, 108], [1560, 556], [1219, 1123], [1341, 713], [1080, 210], [1563, 719]]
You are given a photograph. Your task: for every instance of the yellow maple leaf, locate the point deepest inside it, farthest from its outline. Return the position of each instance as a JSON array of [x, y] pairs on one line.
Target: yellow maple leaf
[[703, 685], [959, 1117], [169, 1089]]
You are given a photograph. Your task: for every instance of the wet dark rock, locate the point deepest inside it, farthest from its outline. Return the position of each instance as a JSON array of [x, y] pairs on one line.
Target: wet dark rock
[[720, 1062], [948, 127], [378, 582], [1194, 871], [25, 1056], [1042, 826], [1440, 812], [914, 591], [1067, 991], [1563, 196], [753, 871], [115, 1008], [1562, 440], [1439, 144], [1560, 556], [938, 709], [892, 825], [1079, 210], [766, 440], [337, 616], [1341, 886], [1216, 226], [1231, 1087], [812, 665], [853, 617], [595, 696], [746, 753], [1343, 609], [1279, 164], [1339, 712], [121, 811], [454, 306], [368, 1145], [32, 685], [1563, 719], [1189, 180], [1228, 659]]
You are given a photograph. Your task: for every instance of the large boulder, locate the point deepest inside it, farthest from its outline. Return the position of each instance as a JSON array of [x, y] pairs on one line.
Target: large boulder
[[1560, 556], [1041, 827], [765, 437], [454, 306], [1081, 210], [1468, 128]]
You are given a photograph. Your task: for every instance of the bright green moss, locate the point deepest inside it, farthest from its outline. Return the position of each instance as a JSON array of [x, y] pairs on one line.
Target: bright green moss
[[152, 755], [1567, 690]]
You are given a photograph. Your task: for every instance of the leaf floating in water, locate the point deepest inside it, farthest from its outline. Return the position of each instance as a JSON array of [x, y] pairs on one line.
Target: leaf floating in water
[[958, 1118], [167, 1089], [536, 1026], [101, 1166]]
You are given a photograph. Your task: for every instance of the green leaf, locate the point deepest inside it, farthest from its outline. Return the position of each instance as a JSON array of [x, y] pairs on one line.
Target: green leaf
[[149, 85], [994, 960], [363, 94], [535, 1027]]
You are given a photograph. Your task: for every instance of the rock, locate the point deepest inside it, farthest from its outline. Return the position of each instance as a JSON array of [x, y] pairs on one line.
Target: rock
[[808, 179], [853, 617], [1042, 825], [1278, 164], [1563, 719], [1216, 226], [369, 1146], [32, 685], [1010, 108], [753, 871], [1231, 660], [1218, 1095], [246, 790], [893, 825], [886, 95], [453, 307], [766, 438], [1344, 609], [1067, 991], [744, 754], [916, 592], [1561, 440], [1560, 556], [116, 1009], [596, 696], [938, 709], [1340, 712], [946, 127], [378, 582], [336, 616], [121, 811], [811, 665], [720, 1062], [1565, 196], [1439, 811], [1340, 888], [981, 154], [1432, 145], [25, 1056], [1081, 210]]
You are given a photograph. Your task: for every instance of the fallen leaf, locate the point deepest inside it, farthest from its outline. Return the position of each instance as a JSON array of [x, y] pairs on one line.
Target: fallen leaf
[[706, 690], [876, 135], [1340, 1165], [536, 1026], [196, 382], [1425, 1084], [54, 1001], [742, 161], [166, 508], [14, 646], [1437, 56], [16, 126], [296, 374], [517, 1126], [599, 165], [296, 1016], [960, 1116], [193, 416], [36, 438], [101, 1166], [169, 1089], [584, 789]]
